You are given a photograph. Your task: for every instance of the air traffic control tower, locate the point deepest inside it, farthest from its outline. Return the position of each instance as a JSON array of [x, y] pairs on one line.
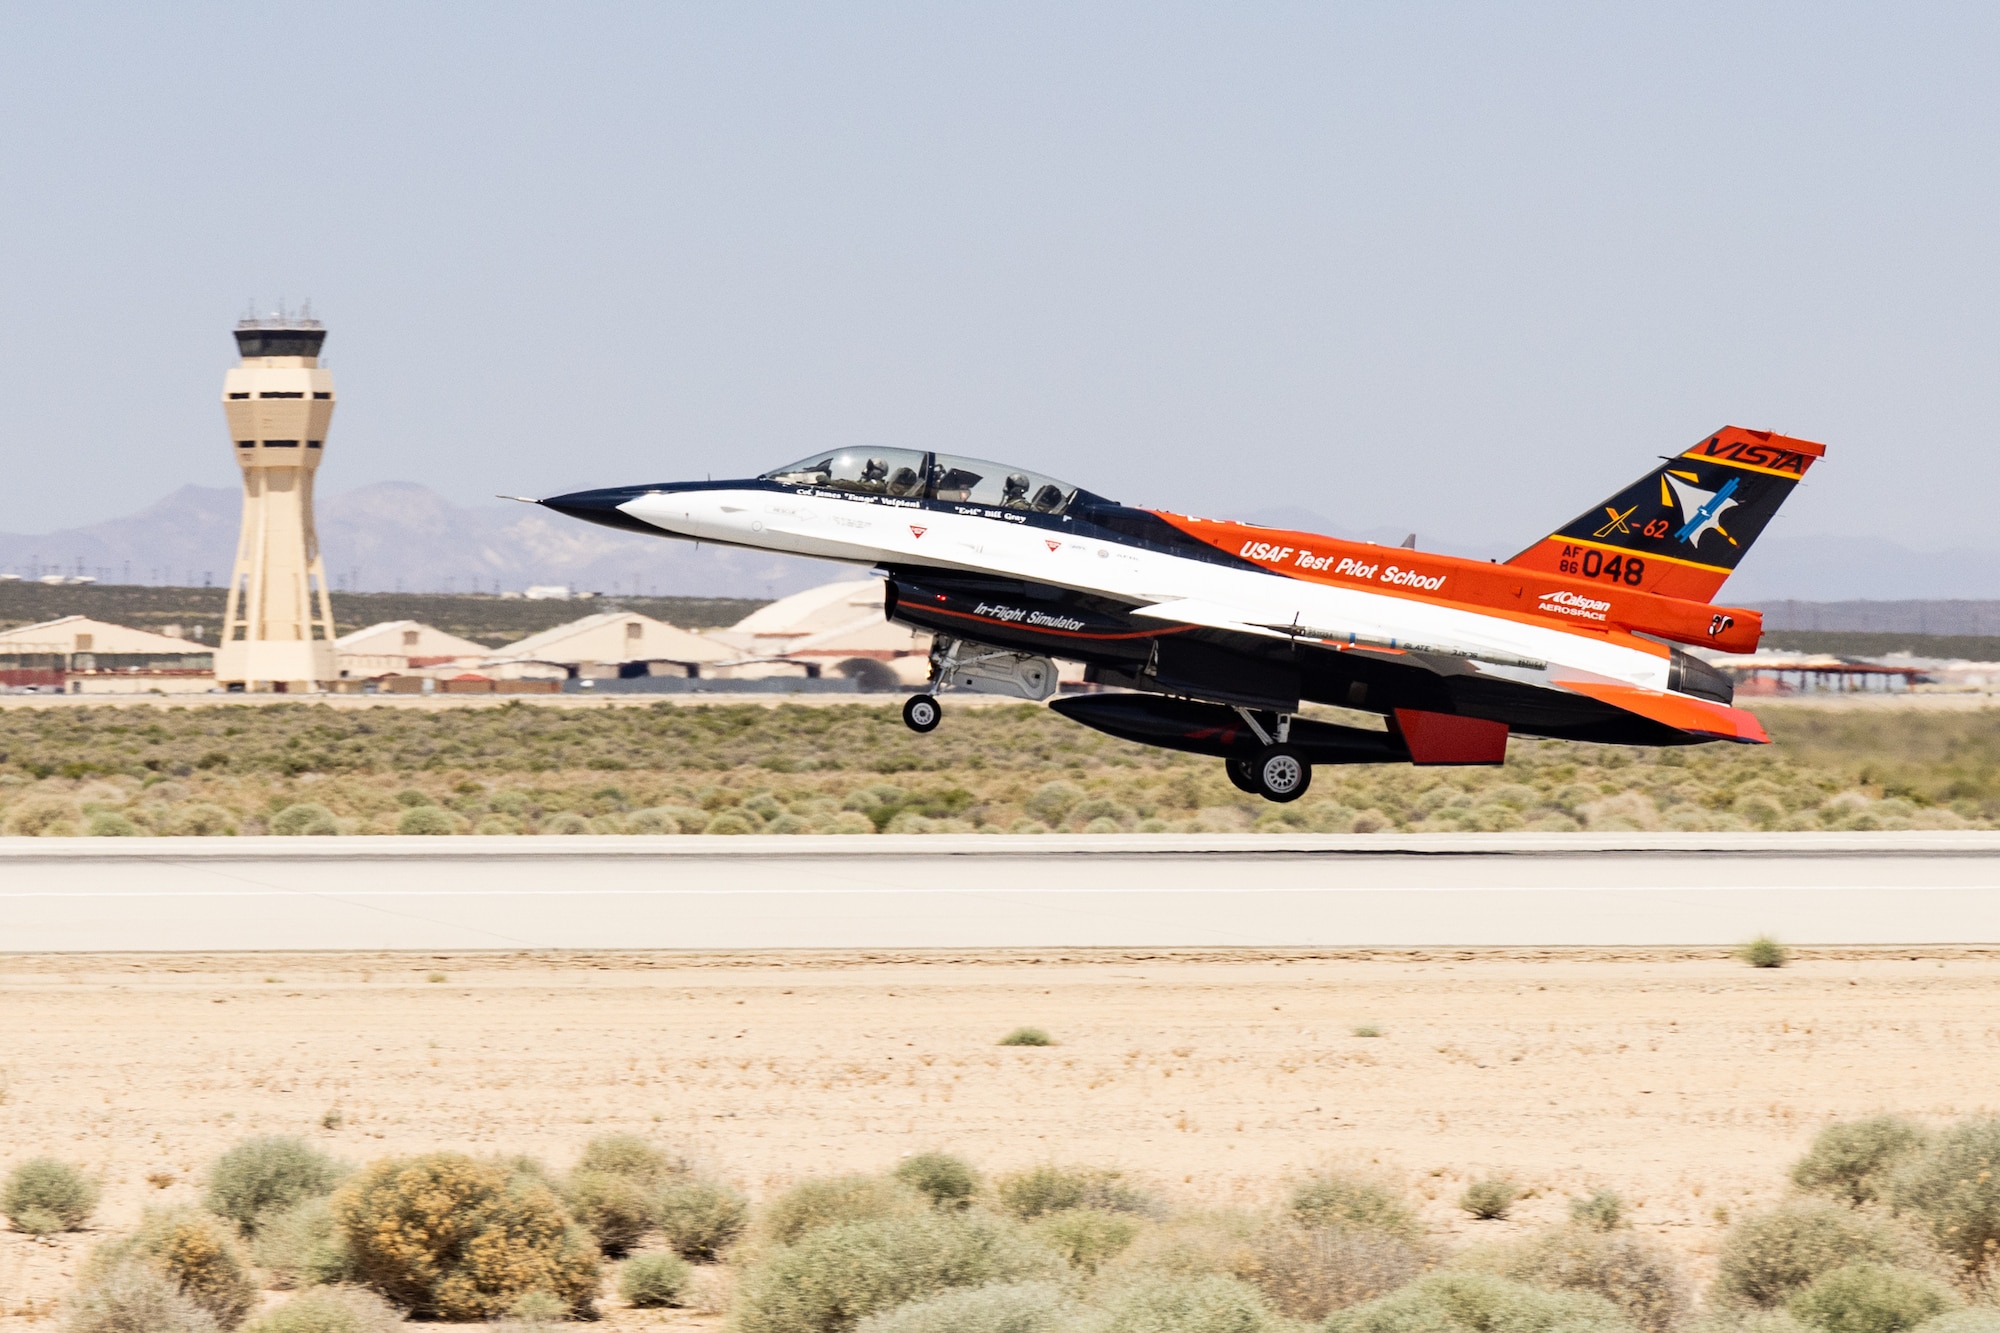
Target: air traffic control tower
[[277, 631]]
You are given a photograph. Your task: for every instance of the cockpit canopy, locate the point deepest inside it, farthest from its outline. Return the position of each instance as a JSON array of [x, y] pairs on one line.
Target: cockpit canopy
[[926, 476]]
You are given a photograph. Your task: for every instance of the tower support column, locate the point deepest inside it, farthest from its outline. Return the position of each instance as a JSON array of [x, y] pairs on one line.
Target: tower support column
[[277, 631]]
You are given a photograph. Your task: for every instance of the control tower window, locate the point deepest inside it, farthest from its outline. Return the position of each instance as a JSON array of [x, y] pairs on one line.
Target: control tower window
[[864, 471], [997, 486]]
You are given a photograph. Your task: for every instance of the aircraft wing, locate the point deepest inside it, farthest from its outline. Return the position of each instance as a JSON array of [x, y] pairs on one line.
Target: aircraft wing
[[1208, 615], [1697, 717], [1213, 615]]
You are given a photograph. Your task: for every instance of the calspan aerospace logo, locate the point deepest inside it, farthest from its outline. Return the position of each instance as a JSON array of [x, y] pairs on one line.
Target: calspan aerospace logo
[[1565, 603]]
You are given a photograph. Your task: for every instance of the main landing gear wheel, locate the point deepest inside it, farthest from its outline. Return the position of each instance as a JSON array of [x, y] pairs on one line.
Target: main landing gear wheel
[[1240, 775], [1280, 774], [921, 713]]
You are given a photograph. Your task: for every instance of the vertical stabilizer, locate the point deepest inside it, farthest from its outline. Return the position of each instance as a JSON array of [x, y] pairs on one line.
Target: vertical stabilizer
[[1681, 529]]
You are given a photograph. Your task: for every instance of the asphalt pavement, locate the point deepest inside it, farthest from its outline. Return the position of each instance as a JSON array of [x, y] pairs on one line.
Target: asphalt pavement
[[971, 892]]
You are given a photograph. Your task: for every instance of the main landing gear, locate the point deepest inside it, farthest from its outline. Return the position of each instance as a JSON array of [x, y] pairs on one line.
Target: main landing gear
[[1277, 772]]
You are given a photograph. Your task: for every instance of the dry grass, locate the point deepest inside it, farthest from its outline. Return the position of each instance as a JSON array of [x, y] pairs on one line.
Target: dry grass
[[853, 768]]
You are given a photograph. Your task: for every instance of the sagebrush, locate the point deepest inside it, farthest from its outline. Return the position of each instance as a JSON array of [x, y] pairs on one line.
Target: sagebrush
[[43, 1195], [446, 1236], [268, 1175]]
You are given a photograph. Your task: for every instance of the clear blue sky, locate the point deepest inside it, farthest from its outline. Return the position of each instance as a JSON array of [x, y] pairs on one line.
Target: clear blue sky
[[1458, 268]]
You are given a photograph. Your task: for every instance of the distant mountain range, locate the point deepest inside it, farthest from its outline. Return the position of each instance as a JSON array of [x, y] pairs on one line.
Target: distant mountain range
[[401, 537]]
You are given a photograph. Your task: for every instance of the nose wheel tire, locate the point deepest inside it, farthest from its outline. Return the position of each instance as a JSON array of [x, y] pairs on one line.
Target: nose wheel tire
[[1241, 775], [1280, 773], [921, 713]]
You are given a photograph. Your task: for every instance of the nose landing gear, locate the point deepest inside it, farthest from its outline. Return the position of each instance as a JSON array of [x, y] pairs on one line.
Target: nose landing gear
[[922, 714]]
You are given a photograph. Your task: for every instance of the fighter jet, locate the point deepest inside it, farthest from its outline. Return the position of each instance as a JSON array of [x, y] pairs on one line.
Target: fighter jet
[[1211, 635]]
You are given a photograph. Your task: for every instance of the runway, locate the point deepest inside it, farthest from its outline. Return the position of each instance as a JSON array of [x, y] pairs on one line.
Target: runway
[[969, 892]]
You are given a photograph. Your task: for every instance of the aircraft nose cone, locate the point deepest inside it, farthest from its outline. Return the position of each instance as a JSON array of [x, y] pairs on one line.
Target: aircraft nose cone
[[602, 506]]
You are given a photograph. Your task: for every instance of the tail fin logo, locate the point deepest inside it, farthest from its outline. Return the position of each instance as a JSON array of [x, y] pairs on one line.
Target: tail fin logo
[[1701, 510], [1618, 523]]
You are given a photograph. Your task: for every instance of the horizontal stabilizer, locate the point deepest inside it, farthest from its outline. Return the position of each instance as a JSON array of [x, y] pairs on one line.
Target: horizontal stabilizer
[[1696, 717]]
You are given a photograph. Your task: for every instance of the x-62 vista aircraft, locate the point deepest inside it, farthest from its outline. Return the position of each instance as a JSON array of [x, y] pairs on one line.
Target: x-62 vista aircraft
[[1217, 631]]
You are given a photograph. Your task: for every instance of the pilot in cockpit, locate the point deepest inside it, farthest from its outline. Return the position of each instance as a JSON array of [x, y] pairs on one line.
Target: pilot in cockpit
[[1014, 491]]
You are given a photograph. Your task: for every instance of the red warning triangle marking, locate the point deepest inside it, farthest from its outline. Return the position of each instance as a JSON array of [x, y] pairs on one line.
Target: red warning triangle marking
[[916, 531], [1052, 545]]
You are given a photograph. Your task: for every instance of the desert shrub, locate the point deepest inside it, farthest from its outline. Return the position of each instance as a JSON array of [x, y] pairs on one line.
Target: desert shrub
[[110, 824], [133, 1298], [699, 1218], [427, 821], [1976, 1319], [1851, 1159], [1601, 1211], [43, 1195], [1764, 952], [1014, 1307], [1187, 1305], [194, 1250], [300, 1246], [330, 1310], [265, 1175], [615, 1210], [1768, 1256], [837, 1275], [1308, 1273], [947, 1181], [651, 1281], [1054, 1189], [1951, 1190], [1870, 1298], [1052, 802], [1634, 1274], [201, 820], [632, 1157], [534, 1312], [40, 817], [1211, 1243], [812, 1204], [566, 824], [1479, 1303], [449, 1237], [1336, 1200], [1027, 1037], [1087, 1237], [304, 820], [1491, 1199]]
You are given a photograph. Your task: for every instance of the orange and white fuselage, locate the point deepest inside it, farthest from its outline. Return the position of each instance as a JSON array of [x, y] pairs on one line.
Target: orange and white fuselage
[[1573, 628]]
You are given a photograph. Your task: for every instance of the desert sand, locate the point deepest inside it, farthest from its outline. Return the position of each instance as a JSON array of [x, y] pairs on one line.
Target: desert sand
[[1682, 1079]]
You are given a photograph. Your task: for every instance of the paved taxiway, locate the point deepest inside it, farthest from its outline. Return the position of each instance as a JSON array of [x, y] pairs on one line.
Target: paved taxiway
[[995, 892]]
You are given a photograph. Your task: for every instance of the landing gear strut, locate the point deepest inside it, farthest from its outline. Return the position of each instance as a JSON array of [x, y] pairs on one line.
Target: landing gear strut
[[921, 713], [1279, 772]]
